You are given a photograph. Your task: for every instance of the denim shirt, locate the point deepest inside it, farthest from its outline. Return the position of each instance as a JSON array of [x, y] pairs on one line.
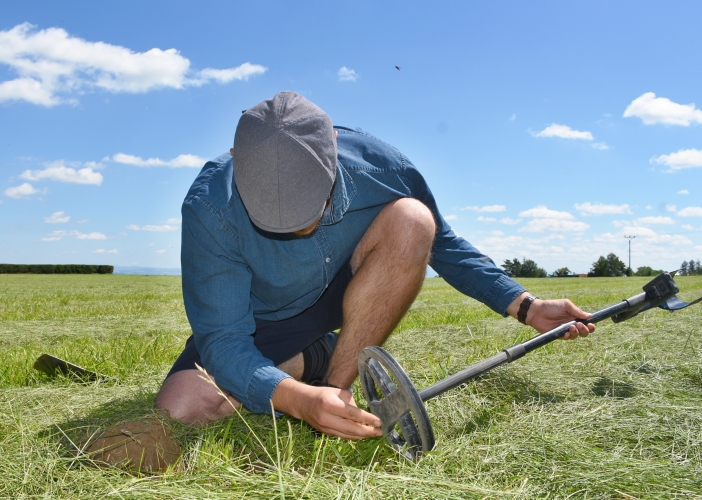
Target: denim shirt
[[233, 272]]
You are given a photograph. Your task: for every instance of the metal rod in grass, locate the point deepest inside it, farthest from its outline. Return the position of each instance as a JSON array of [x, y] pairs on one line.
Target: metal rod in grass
[[207, 378]]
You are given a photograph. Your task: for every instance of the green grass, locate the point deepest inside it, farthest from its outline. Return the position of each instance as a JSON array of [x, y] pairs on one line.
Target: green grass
[[617, 415]]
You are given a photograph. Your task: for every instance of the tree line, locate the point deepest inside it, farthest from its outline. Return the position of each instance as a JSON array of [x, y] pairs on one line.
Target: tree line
[[609, 266], [55, 269]]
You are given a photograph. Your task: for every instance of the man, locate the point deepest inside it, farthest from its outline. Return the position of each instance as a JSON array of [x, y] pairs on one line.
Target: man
[[301, 230]]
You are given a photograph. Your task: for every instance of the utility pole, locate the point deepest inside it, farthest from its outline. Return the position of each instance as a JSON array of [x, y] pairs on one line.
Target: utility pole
[[630, 238]]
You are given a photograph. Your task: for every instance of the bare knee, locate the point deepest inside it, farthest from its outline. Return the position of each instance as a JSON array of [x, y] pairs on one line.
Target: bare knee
[[411, 228], [190, 399]]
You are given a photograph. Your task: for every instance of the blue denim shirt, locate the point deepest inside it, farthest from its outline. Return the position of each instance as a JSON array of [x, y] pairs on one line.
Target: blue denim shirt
[[233, 272]]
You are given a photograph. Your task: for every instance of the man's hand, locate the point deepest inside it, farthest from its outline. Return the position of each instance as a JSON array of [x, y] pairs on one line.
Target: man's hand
[[545, 315], [329, 410]]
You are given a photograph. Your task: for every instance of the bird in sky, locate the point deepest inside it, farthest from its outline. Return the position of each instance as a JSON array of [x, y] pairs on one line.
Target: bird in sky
[[398, 68]]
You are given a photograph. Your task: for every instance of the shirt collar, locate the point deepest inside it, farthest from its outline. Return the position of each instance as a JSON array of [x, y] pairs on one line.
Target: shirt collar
[[342, 193]]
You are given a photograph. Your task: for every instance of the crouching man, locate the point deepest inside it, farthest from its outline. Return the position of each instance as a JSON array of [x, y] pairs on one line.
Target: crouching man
[[301, 230]]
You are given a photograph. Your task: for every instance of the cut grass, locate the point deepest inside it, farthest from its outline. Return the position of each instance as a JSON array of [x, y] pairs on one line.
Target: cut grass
[[616, 415]]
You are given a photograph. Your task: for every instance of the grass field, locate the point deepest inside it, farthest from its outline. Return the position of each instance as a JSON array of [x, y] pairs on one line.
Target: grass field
[[617, 415]]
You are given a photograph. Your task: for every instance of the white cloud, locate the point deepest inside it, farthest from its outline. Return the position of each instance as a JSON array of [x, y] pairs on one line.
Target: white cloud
[[58, 171], [510, 222], [544, 213], [90, 236], [644, 233], [600, 145], [486, 208], [486, 219], [179, 161], [513, 117], [153, 228], [685, 158], [57, 218], [563, 131], [683, 191], [451, 217], [553, 225], [160, 252], [20, 191], [670, 208], [588, 208], [652, 109], [57, 235], [175, 220], [544, 219], [691, 212], [54, 67], [347, 75], [654, 220], [102, 250]]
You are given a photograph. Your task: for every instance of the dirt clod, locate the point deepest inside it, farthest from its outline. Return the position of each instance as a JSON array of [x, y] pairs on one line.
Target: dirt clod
[[143, 446]]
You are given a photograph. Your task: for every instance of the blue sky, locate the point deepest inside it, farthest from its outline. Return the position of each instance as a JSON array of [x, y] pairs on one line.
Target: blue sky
[[546, 130]]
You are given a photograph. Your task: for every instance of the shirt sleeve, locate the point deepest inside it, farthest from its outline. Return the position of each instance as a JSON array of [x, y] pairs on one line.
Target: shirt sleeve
[[217, 296], [460, 263]]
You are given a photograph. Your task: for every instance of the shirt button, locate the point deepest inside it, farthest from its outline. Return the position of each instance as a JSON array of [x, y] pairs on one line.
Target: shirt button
[[327, 260]]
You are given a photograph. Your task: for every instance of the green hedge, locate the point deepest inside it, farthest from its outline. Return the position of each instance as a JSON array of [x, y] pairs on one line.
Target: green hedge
[[54, 269]]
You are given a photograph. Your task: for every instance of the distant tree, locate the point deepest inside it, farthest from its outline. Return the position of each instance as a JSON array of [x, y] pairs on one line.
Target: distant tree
[[683, 268], [531, 270], [647, 271], [608, 266], [562, 272], [527, 268], [694, 268], [512, 267]]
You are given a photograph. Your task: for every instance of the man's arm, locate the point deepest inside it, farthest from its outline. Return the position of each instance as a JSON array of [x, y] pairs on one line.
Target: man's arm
[[477, 276]]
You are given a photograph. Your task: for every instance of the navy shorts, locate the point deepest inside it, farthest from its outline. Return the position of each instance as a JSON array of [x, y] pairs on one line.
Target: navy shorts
[[281, 340]]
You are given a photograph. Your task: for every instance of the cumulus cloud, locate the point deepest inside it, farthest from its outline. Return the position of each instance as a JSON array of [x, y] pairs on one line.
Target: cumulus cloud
[[486, 208], [451, 217], [683, 191], [180, 161], [691, 212], [543, 219], [58, 171], [347, 75], [21, 191], [652, 109], [644, 233], [685, 158], [564, 132], [153, 228], [510, 222], [102, 250], [588, 208], [601, 146], [486, 219], [542, 212], [53, 67], [58, 235], [654, 220], [671, 208], [57, 218]]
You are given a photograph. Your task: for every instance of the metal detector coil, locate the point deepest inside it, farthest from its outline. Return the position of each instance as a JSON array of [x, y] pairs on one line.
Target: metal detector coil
[[400, 406]]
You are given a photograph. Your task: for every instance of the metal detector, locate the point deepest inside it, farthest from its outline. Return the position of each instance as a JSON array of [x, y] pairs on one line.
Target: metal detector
[[393, 398]]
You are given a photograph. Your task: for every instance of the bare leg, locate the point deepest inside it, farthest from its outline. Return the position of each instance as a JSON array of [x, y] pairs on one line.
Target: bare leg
[[188, 397], [389, 265]]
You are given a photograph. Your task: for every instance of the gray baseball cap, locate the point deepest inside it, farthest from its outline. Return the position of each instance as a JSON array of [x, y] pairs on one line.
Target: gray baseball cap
[[284, 162]]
